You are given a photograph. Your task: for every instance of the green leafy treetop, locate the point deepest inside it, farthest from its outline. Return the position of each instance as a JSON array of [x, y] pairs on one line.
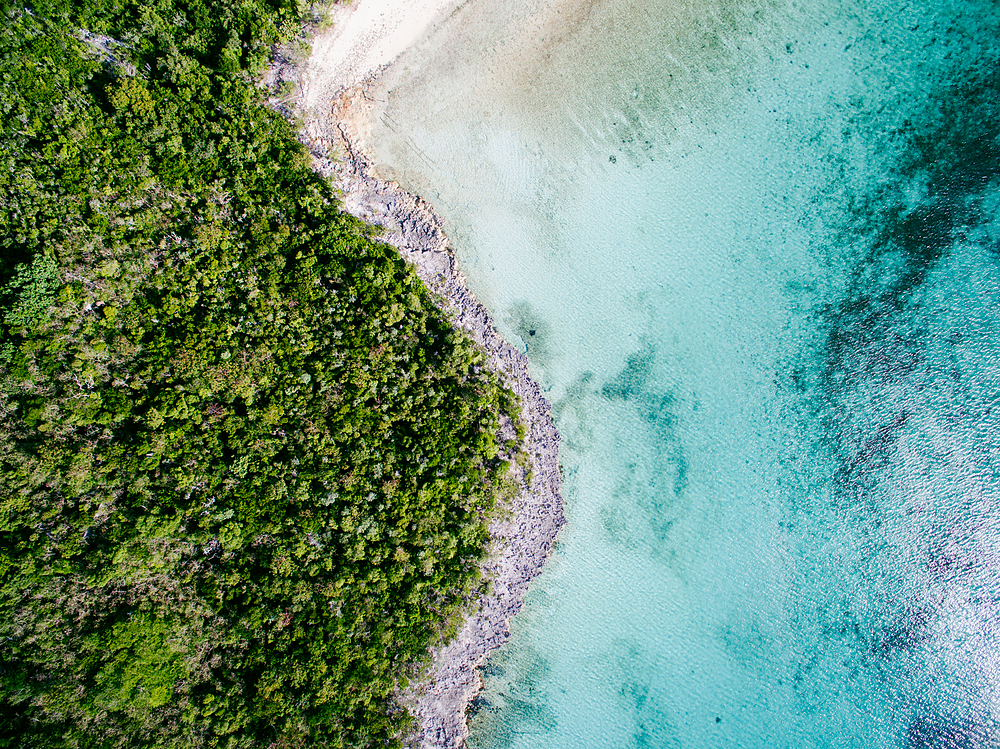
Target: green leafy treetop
[[246, 462]]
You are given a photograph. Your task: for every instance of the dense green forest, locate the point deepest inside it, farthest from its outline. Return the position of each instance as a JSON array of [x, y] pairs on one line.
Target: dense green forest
[[246, 462]]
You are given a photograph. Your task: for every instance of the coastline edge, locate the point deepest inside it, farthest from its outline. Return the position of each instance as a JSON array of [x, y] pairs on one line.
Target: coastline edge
[[519, 544]]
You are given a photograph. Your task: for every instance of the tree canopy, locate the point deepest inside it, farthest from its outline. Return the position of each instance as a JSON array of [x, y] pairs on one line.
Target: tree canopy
[[246, 462]]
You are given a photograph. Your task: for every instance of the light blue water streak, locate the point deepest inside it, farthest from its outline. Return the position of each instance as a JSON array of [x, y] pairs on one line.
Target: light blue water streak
[[751, 251]]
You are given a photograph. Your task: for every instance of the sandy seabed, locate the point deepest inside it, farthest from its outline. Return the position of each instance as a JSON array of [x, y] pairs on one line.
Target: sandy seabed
[[333, 105]]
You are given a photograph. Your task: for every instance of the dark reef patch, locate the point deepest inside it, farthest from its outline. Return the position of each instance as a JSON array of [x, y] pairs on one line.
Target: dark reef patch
[[932, 732], [907, 631], [641, 695], [888, 393], [533, 331], [952, 156], [651, 485], [631, 381]]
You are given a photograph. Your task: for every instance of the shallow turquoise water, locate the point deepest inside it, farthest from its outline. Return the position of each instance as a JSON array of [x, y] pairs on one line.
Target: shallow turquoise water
[[751, 250]]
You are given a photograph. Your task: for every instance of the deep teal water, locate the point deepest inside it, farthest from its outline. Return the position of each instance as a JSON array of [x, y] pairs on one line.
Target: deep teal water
[[751, 250]]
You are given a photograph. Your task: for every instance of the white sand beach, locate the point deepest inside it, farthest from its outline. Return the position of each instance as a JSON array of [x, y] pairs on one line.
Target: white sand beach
[[365, 36]]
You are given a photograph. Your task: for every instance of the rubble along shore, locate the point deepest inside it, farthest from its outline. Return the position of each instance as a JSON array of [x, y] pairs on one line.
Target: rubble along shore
[[521, 539]]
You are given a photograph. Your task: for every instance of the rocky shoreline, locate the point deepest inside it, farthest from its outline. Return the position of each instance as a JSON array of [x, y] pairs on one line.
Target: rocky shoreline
[[522, 539]]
